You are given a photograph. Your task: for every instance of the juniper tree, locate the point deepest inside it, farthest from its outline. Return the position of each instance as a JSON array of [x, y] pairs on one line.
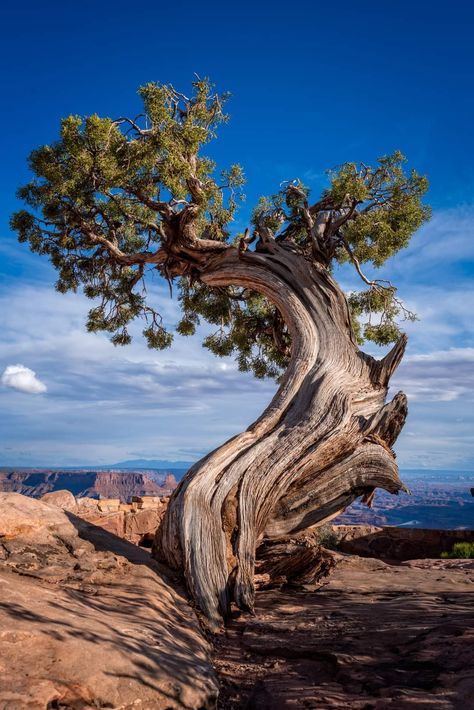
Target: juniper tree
[[113, 200]]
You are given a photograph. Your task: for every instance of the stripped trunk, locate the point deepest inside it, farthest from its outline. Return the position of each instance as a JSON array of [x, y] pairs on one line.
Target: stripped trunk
[[324, 440]]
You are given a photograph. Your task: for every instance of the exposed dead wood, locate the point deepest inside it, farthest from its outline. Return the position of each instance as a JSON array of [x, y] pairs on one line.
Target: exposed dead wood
[[298, 561], [324, 440], [112, 201]]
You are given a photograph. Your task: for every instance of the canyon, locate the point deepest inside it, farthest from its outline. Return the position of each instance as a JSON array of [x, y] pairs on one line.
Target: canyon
[[438, 499], [85, 483]]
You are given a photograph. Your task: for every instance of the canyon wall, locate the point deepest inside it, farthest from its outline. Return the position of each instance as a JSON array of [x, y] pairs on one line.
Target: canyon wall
[[92, 484]]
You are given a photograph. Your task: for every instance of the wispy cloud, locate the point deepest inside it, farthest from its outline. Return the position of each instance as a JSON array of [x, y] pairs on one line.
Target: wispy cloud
[[443, 376], [105, 403], [439, 247]]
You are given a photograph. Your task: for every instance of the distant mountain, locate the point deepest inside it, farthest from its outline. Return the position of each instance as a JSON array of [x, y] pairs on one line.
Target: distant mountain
[[437, 475], [150, 464], [439, 498]]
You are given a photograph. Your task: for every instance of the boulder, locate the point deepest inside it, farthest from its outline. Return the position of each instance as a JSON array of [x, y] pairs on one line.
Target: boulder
[[113, 522], [27, 517], [136, 522], [108, 504], [142, 524], [394, 543], [147, 501], [85, 503], [89, 620], [63, 499]]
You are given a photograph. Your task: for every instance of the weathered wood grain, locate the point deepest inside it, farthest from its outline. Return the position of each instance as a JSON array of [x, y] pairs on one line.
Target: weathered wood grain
[[324, 440]]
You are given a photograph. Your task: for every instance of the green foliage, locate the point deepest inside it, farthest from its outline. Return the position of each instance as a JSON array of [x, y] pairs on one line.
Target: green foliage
[[246, 323], [461, 550], [380, 308], [368, 214], [390, 207], [103, 181], [110, 195]]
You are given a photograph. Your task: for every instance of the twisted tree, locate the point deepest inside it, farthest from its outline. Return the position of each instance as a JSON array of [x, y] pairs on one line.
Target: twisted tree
[[112, 200]]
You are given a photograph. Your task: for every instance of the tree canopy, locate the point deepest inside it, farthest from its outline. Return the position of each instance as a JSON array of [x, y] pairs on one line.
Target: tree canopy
[[113, 199]]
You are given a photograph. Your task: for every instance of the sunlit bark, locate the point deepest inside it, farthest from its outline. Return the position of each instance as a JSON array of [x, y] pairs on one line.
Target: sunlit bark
[[324, 440]]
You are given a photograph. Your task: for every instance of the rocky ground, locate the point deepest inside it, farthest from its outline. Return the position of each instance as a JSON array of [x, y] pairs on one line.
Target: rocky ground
[[88, 620], [375, 636]]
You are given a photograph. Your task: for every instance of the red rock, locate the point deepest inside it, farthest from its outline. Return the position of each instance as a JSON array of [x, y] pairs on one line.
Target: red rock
[[112, 522], [135, 524], [374, 636], [22, 516], [95, 484], [141, 525], [397, 543], [88, 621], [63, 499]]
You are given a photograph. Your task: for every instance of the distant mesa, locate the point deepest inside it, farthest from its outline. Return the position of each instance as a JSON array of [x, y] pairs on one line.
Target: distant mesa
[[440, 499], [92, 484]]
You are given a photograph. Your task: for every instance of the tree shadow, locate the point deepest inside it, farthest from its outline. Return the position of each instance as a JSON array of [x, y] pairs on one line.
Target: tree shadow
[[347, 649], [105, 541], [139, 613]]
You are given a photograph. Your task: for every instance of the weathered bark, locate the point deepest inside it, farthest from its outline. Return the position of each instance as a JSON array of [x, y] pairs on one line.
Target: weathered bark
[[324, 440], [299, 561]]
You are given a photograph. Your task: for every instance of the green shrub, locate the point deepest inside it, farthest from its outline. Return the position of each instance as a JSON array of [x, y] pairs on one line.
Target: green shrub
[[325, 536], [461, 550]]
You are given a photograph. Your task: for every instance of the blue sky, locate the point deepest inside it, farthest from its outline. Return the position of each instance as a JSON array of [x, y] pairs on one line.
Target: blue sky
[[313, 85]]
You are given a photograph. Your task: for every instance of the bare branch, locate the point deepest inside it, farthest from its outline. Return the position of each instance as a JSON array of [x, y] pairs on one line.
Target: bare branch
[[378, 284], [132, 123]]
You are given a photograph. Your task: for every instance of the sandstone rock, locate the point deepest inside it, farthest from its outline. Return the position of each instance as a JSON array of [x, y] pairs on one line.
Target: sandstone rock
[[123, 485], [142, 524], [147, 501], [63, 499], [88, 620], [106, 484], [398, 543], [126, 507], [131, 522], [107, 505], [22, 516], [113, 522], [86, 503], [376, 636]]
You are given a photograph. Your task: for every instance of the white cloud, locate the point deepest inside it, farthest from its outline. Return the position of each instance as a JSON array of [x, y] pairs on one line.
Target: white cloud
[[445, 241], [444, 375], [437, 255], [105, 403], [23, 379]]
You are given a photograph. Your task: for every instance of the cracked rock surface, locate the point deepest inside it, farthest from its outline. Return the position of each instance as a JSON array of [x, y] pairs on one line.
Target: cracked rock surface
[[88, 620], [374, 637]]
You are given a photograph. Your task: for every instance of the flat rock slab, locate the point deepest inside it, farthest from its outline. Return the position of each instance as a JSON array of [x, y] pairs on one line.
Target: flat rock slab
[[375, 637], [88, 620]]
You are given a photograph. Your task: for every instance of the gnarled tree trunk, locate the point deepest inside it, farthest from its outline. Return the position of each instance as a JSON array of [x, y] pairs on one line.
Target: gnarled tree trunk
[[324, 440]]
